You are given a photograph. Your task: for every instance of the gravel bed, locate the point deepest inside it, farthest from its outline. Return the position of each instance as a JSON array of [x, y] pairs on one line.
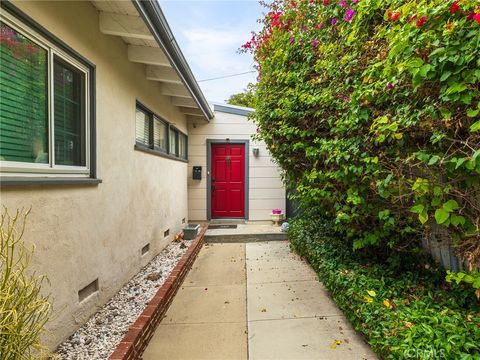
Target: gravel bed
[[98, 338]]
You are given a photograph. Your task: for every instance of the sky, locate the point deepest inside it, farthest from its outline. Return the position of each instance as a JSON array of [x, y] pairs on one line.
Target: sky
[[209, 34]]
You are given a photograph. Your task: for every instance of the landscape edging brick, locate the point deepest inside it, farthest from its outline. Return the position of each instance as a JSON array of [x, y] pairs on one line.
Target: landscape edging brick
[[139, 334]]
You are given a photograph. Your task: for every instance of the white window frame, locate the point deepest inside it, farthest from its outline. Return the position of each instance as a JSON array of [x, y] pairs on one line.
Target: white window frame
[[24, 169]]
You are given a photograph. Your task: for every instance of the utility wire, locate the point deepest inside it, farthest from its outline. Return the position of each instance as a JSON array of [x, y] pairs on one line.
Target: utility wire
[[227, 76]]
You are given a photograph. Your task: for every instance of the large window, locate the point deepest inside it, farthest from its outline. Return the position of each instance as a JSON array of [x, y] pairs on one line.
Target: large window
[[44, 107], [156, 135]]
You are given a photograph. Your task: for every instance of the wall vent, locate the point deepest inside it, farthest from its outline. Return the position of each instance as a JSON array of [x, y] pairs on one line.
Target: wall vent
[[145, 249], [183, 221], [88, 290], [166, 233]]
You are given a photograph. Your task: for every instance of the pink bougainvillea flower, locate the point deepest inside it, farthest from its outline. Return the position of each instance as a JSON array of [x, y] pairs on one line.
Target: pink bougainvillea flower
[[349, 15], [454, 8], [292, 4], [292, 40], [421, 21], [390, 86], [470, 16], [476, 17], [325, 2], [355, 1], [334, 21], [342, 3], [305, 28], [301, 43], [314, 42], [347, 98]]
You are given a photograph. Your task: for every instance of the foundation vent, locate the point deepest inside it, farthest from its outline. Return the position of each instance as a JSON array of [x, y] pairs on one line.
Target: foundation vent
[[88, 290], [166, 233], [145, 249]]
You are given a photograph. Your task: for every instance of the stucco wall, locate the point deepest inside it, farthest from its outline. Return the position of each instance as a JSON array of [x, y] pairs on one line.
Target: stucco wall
[[266, 190], [86, 232]]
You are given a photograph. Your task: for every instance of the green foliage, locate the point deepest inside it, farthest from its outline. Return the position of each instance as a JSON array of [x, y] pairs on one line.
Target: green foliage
[[404, 307], [245, 98], [23, 309], [374, 116]]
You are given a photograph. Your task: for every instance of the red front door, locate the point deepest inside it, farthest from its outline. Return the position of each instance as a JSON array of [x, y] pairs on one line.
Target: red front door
[[228, 180]]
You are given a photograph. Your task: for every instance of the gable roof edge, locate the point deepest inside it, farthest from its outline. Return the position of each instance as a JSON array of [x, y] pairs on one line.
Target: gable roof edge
[[155, 20]]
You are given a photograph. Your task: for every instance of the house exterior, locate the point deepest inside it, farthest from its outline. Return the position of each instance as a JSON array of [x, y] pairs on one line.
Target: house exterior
[[101, 123], [239, 179]]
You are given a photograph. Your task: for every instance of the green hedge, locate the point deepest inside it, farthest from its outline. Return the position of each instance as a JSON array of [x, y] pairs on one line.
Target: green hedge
[[404, 307], [372, 109]]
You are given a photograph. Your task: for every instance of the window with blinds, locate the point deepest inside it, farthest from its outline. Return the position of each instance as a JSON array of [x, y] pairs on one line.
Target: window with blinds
[[43, 114], [23, 99], [156, 135], [142, 127]]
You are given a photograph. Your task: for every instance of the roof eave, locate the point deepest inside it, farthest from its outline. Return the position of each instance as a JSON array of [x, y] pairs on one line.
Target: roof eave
[[154, 18]]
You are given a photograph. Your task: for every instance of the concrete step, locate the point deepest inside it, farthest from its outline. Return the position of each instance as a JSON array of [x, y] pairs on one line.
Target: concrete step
[[245, 238]]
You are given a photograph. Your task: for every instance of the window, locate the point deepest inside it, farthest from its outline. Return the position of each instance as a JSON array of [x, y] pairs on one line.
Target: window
[[44, 105], [182, 146], [142, 127], [154, 134], [173, 141], [160, 134]]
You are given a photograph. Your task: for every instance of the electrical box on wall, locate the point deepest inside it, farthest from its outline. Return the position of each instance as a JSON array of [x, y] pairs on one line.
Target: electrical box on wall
[[197, 173]]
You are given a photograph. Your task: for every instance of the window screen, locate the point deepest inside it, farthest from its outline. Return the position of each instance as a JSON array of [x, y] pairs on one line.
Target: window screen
[[69, 117]]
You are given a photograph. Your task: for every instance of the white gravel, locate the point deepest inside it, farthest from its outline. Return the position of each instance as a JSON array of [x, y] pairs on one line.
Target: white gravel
[[98, 338]]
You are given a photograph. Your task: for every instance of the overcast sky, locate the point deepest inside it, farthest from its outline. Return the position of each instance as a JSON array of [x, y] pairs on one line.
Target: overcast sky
[[209, 34]]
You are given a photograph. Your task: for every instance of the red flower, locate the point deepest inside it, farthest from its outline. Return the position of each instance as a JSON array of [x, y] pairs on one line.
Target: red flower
[[325, 2], [421, 21], [454, 8], [389, 14], [396, 16], [476, 17], [470, 16]]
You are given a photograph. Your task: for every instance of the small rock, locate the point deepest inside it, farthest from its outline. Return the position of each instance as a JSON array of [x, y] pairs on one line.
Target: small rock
[[154, 276]]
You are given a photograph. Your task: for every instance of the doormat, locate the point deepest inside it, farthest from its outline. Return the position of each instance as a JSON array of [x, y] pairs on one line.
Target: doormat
[[222, 226]]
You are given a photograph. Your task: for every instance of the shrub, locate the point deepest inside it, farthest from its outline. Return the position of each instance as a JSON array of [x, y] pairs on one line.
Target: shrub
[[371, 107], [23, 309], [405, 310]]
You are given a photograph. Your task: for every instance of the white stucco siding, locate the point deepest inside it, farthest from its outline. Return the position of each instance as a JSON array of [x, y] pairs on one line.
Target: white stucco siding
[[266, 191], [83, 232]]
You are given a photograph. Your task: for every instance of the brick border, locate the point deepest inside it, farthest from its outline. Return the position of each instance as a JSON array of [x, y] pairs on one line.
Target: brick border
[[139, 334]]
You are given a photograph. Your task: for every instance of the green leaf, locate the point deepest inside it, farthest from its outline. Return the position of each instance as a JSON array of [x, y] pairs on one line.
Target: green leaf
[[415, 63], [472, 112], [441, 216], [475, 126], [450, 205], [417, 209], [423, 217], [457, 220]]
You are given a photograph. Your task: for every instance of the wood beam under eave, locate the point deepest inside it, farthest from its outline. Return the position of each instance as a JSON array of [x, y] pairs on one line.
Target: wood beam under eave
[[191, 111], [183, 102], [147, 55], [175, 90], [162, 73], [194, 118], [124, 25]]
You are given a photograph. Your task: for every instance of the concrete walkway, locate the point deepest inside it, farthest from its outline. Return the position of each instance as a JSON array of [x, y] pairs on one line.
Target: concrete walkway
[[254, 301]]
